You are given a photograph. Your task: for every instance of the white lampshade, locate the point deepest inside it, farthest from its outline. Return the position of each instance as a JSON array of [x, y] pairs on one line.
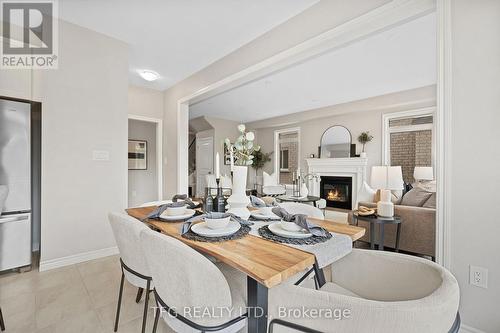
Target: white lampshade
[[387, 177], [423, 173]]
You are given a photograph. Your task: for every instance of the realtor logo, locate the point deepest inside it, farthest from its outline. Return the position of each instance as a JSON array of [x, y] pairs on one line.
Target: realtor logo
[[29, 34]]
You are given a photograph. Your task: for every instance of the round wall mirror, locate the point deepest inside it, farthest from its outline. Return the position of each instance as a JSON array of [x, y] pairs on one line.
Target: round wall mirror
[[336, 142]]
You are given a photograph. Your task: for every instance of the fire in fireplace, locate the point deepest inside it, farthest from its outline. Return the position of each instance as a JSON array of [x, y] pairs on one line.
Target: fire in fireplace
[[337, 191]]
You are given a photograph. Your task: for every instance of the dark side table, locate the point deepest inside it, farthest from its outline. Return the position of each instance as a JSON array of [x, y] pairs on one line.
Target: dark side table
[[381, 221], [289, 198]]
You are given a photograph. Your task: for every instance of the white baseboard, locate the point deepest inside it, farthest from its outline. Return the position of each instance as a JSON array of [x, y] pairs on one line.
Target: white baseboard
[[468, 329], [77, 258]]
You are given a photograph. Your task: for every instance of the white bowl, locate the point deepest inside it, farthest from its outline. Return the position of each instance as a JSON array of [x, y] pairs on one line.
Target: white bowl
[[176, 211], [218, 223], [266, 211], [290, 226]]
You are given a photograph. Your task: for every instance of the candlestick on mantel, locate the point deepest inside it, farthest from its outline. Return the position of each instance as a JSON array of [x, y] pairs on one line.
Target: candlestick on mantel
[[217, 166]]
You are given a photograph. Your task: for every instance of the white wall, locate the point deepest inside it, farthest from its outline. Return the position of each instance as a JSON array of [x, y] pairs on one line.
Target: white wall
[[84, 108], [223, 129], [304, 26], [476, 157], [357, 117], [145, 102], [143, 184]]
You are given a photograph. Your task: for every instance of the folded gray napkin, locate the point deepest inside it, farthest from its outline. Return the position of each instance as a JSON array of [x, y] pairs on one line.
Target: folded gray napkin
[[300, 220], [213, 215], [185, 199], [259, 203]]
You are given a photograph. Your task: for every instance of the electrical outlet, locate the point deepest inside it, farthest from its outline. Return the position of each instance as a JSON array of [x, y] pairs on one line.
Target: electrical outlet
[[478, 276]]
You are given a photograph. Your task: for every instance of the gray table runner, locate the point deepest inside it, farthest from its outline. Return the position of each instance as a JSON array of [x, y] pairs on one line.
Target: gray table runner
[[326, 253]]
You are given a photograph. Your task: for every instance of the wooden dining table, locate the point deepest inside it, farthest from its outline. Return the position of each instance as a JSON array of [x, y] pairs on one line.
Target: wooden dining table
[[265, 263]]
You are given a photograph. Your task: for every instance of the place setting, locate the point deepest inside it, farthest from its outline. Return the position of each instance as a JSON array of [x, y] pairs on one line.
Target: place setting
[[215, 227], [263, 212], [293, 229], [179, 210]]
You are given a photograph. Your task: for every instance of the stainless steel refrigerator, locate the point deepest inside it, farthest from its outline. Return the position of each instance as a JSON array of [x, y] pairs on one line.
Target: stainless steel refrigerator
[[15, 180]]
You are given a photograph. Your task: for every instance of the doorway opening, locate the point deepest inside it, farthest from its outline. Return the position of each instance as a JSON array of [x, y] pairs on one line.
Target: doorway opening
[[144, 160]]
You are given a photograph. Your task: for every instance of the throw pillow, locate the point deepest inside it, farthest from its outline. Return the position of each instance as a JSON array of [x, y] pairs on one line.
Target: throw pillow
[[416, 197], [431, 202], [366, 193], [429, 186], [269, 180]]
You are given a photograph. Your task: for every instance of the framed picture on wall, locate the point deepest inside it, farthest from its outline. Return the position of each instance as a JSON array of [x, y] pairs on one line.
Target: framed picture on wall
[[137, 155], [227, 156]]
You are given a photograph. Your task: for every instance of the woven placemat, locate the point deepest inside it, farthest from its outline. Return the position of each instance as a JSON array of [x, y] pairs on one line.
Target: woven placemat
[[242, 232], [264, 232]]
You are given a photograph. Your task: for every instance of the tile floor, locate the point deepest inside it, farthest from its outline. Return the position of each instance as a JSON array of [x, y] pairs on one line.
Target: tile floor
[[75, 299]]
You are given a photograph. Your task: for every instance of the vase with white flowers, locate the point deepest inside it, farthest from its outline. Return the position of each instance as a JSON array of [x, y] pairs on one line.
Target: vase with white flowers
[[241, 152]]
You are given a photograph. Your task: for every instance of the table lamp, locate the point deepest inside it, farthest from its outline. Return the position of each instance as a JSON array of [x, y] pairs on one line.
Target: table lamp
[[423, 173], [385, 179]]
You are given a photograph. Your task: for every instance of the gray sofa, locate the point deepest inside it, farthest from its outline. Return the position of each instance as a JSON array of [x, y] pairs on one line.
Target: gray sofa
[[418, 228]]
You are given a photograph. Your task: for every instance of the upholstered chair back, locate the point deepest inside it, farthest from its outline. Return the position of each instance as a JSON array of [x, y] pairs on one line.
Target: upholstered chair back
[[300, 208], [416, 278], [127, 230], [184, 279], [4, 191]]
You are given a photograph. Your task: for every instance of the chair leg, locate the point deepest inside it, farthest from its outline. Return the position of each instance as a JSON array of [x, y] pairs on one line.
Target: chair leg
[[117, 319], [146, 301], [139, 295], [2, 324], [157, 316]]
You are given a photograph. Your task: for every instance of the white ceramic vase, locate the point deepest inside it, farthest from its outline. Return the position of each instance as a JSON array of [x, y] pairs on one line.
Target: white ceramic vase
[[238, 201], [362, 155], [304, 192]]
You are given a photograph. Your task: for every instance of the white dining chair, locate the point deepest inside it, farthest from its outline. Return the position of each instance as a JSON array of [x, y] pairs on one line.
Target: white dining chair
[[385, 292], [4, 191], [186, 281], [301, 208], [127, 232], [270, 185], [2, 324]]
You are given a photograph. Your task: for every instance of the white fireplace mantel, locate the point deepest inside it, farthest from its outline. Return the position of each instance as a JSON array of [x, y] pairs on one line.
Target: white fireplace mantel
[[354, 167]]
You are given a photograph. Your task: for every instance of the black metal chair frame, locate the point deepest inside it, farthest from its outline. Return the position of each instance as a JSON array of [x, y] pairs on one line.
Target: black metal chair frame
[[138, 297], [161, 305], [454, 328], [2, 324]]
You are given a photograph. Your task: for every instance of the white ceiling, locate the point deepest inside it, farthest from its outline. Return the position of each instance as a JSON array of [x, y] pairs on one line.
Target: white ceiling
[[395, 60], [177, 38]]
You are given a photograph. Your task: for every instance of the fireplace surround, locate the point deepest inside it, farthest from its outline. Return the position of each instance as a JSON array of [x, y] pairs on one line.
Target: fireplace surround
[[352, 167]]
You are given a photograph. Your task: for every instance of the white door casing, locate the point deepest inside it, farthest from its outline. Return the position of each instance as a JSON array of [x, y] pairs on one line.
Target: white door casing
[[204, 163]]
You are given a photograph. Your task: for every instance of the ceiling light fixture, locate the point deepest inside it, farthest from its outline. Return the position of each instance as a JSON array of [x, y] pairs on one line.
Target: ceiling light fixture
[[149, 75]]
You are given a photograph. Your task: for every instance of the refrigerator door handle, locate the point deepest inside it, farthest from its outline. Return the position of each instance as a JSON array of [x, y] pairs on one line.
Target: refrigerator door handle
[[13, 218]]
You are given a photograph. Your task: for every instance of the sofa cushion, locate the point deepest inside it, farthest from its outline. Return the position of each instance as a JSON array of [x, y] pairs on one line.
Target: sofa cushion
[[416, 197], [431, 202]]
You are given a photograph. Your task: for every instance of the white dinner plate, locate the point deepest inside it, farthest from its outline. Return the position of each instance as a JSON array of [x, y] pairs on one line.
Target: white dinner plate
[[202, 229], [260, 216], [276, 229], [187, 214]]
